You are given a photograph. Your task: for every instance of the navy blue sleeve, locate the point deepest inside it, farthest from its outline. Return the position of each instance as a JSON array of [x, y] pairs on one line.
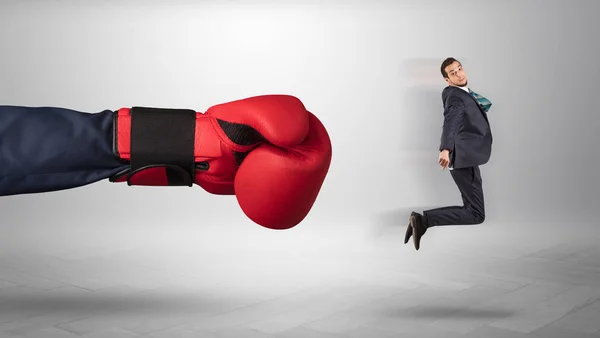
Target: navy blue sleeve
[[47, 149], [454, 110]]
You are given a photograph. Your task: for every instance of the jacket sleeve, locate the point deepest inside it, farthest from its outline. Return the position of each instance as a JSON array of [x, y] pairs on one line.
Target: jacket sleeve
[[44, 149], [454, 111]]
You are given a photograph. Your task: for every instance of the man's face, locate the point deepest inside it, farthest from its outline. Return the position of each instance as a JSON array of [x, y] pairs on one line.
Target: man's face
[[456, 75]]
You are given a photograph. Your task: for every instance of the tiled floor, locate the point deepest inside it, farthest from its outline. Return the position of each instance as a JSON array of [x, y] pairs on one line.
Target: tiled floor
[[357, 280]]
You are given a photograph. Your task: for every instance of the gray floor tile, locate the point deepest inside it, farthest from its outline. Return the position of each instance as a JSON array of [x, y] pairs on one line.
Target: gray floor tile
[[180, 332], [5, 284], [552, 331], [371, 332], [57, 269], [48, 332], [112, 333], [303, 332], [549, 310], [493, 332], [28, 279], [585, 319]]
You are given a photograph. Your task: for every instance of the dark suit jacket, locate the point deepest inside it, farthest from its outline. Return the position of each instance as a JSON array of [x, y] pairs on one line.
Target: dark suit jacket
[[466, 131]]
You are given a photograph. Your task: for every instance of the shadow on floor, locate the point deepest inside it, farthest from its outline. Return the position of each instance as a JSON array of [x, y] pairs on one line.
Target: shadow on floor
[[451, 312], [141, 302]]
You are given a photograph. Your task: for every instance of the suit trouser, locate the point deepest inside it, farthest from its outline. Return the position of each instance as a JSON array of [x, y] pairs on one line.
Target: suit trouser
[[472, 211]]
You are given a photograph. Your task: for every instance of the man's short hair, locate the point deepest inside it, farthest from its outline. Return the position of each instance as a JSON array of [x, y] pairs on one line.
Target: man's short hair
[[447, 63]]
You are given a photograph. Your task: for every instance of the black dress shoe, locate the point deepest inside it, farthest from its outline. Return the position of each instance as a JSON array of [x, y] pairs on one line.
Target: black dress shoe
[[418, 228], [409, 230]]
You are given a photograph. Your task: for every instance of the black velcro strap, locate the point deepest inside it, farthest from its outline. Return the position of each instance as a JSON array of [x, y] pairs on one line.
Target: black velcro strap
[[164, 137]]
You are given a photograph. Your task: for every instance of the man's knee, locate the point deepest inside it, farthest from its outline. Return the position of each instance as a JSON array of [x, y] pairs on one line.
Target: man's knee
[[478, 216]]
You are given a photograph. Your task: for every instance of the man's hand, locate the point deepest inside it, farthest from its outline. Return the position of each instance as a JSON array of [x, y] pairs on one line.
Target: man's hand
[[444, 158]]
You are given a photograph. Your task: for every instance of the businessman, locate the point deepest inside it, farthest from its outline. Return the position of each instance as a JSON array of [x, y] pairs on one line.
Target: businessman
[[466, 143]]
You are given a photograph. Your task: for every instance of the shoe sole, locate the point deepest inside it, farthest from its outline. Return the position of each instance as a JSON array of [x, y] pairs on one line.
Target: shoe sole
[[407, 237], [413, 220]]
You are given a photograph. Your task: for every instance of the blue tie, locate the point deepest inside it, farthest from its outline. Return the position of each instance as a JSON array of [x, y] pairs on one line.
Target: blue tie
[[484, 103]]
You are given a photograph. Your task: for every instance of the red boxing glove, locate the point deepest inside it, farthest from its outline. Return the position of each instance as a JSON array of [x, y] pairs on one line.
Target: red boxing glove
[[268, 151]]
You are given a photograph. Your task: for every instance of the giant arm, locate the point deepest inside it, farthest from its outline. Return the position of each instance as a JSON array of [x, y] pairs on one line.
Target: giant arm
[[269, 151]]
